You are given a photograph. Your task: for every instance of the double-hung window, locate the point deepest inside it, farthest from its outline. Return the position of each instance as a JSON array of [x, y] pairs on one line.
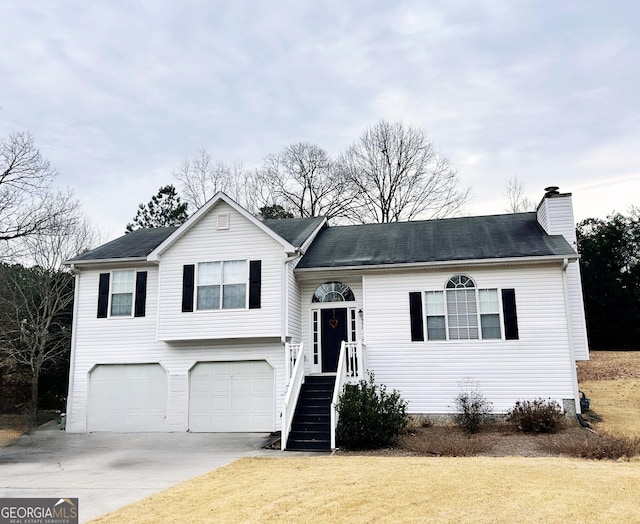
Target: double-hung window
[[122, 293], [222, 285], [122, 289], [436, 320], [489, 313], [463, 312]]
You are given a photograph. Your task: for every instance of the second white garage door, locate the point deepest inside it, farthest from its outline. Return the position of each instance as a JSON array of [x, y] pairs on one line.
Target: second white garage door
[[231, 396]]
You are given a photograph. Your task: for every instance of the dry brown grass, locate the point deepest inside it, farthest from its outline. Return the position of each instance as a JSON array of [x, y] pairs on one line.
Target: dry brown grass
[[443, 441], [617, 402], [609, 365], [407, 489], [11, 427], [611, 379], [593, 445]]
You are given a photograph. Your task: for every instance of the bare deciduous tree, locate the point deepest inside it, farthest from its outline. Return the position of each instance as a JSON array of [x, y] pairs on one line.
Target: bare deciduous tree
[[304, 180], [36, 302], [201, 177], [517, 201], [399, 175], [28, 203]]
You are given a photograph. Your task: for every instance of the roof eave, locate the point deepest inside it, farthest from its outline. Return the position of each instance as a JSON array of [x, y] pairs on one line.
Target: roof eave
[[446, 263], [106, 261]]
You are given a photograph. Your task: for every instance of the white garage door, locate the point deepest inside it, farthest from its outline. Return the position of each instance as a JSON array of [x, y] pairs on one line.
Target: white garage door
[[127, 397], [231, 396]]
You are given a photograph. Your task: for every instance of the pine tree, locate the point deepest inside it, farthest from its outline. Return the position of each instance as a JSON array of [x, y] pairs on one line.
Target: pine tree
[[275, 211], [164, 210]]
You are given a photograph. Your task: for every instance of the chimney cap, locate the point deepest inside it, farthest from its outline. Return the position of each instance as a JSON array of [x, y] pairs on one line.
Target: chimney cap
[[551, 190]]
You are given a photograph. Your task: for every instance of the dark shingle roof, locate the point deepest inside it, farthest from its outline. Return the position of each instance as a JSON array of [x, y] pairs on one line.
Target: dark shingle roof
[[294, 230], [137, 244], [466, 238]]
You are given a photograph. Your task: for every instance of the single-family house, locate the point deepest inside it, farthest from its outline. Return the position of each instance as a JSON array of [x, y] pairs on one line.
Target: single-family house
[[232, 324]]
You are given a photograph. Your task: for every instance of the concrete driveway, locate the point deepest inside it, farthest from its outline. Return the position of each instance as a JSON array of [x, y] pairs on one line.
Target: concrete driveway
[[106, 471]]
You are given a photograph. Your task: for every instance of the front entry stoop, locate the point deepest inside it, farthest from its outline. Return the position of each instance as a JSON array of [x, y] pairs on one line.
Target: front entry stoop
[[310, 429]]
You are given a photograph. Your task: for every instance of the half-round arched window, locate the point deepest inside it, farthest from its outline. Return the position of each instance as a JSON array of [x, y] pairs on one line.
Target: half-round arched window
[[333, 292], [460, 281]]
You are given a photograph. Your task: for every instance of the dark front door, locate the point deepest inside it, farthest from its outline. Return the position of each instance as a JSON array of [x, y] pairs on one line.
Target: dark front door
[[332, 332]]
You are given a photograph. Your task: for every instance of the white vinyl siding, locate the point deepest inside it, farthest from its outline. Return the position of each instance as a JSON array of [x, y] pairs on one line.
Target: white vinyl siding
[[576, 309], [294, 303], [555, 215], [428, 375], [129, 340], [204, 242]]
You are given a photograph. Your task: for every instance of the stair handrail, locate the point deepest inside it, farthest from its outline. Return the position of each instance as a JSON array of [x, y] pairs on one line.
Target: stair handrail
[[341, 378], [291, 398], [362, 370], [292, 352]]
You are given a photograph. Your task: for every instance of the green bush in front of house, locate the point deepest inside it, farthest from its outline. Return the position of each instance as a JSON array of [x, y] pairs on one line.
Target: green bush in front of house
[[369, 416]]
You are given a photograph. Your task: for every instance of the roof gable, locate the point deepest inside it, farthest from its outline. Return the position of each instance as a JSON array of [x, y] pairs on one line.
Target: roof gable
[[147, 244], [455, 239], [203, 211]]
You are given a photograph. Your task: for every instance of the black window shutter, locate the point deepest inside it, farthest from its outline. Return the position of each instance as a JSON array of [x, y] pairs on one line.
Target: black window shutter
[[415, 311], [255, 279], [188, 273], [103, 295], [509, 313], [141, 294]]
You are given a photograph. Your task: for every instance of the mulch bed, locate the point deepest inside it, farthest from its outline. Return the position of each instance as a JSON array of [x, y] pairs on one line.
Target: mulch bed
[[496, 440]]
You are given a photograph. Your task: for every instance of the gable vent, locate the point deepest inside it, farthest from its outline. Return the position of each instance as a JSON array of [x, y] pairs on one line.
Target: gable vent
[[223, 221]]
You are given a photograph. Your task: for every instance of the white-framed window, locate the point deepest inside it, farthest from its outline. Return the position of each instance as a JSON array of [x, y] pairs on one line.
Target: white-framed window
[[489, 313], [462, 311], [222, 285], [436, 319], [123, 284]]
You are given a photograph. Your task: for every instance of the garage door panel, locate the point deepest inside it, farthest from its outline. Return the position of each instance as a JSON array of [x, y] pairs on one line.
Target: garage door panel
[[239, 396], [127, 397]]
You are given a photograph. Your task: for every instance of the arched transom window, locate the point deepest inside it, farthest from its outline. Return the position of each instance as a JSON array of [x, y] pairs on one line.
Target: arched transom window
[[460, 281], [333, 292]]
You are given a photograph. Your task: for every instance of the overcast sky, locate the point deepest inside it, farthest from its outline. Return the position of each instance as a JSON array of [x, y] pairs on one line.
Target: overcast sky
[[118, 93]]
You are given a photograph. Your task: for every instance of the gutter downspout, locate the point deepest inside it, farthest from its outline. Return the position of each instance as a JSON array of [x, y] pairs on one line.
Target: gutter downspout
[[567, 307]]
